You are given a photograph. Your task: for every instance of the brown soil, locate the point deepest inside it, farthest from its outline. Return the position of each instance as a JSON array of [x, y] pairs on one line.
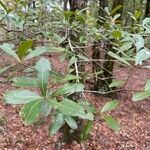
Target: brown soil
[[134, 120]]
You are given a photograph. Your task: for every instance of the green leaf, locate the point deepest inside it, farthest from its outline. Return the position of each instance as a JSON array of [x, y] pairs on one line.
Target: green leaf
[[87, 106], [118, 58], [37, 52], [141, 95], [40, 121], [115, 9], [56, 124], [55, 49], [3, 6], [147, 86], [109, 106], [116, 17], [8, 48], [25, 82], [142, 55], [59, 39], [56, 76], [68, 14], [71, 122], [69, 89], [146, 24], [125, 47], [138, 41], [116, 83], [137, 14], [72, 61], [116, 34], [23, 47], [83, 58], [86, 130], [71, 108], [43, 67], [20, 97], [45, 108], [4, 69], [31, 111], [43, 49], [112, 123]]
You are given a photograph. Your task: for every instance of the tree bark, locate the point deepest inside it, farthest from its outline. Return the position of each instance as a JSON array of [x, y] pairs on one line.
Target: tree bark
[[65, 5], [100, 49], [75, 135], [148, 8]]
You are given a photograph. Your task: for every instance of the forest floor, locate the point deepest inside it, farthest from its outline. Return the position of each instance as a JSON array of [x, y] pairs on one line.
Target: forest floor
[[133, 117]]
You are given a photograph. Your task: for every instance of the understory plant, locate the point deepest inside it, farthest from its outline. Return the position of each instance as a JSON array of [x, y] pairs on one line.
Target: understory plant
[[53, 103], [49, 101], [47, 95]]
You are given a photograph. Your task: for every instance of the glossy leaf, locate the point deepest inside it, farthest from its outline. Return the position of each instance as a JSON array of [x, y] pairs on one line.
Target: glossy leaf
[[69, 89], [125, 47], [147, 86], [4, 69], [118, 7], [56, 124], [43, 67], [112, 123], [141, 95], [71, 108], [3, 6], [116, 34], [24, 82], [71, 122], [37, 52], [72, 61], [116, 83], [109, 106], [31, 111], [146, 24], [86, 130], [8, 48], [23, 47], [56, 76], [142, 55], [45, 108], [138, 41], [20, 97], [118, 58]]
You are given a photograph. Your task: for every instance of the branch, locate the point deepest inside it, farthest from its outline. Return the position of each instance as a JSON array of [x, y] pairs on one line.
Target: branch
[[76, 66]]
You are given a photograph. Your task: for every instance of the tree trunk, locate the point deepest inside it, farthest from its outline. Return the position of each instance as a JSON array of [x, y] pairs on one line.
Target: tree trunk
[[148, 8], [77, 4], [65, 5], [102, 4], [100, 49], [75, 135]]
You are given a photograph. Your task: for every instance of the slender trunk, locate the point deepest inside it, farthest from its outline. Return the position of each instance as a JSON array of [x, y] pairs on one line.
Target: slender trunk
[[65, 5], [100, 49], [75, 135], [148, 8]]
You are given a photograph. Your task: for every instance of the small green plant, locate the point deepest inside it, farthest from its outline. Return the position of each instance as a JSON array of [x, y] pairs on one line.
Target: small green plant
[[49, 102], [110, 120], [54, 102]]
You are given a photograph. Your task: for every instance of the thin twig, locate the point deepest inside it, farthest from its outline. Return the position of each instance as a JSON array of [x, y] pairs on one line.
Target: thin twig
[[76, 66]]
